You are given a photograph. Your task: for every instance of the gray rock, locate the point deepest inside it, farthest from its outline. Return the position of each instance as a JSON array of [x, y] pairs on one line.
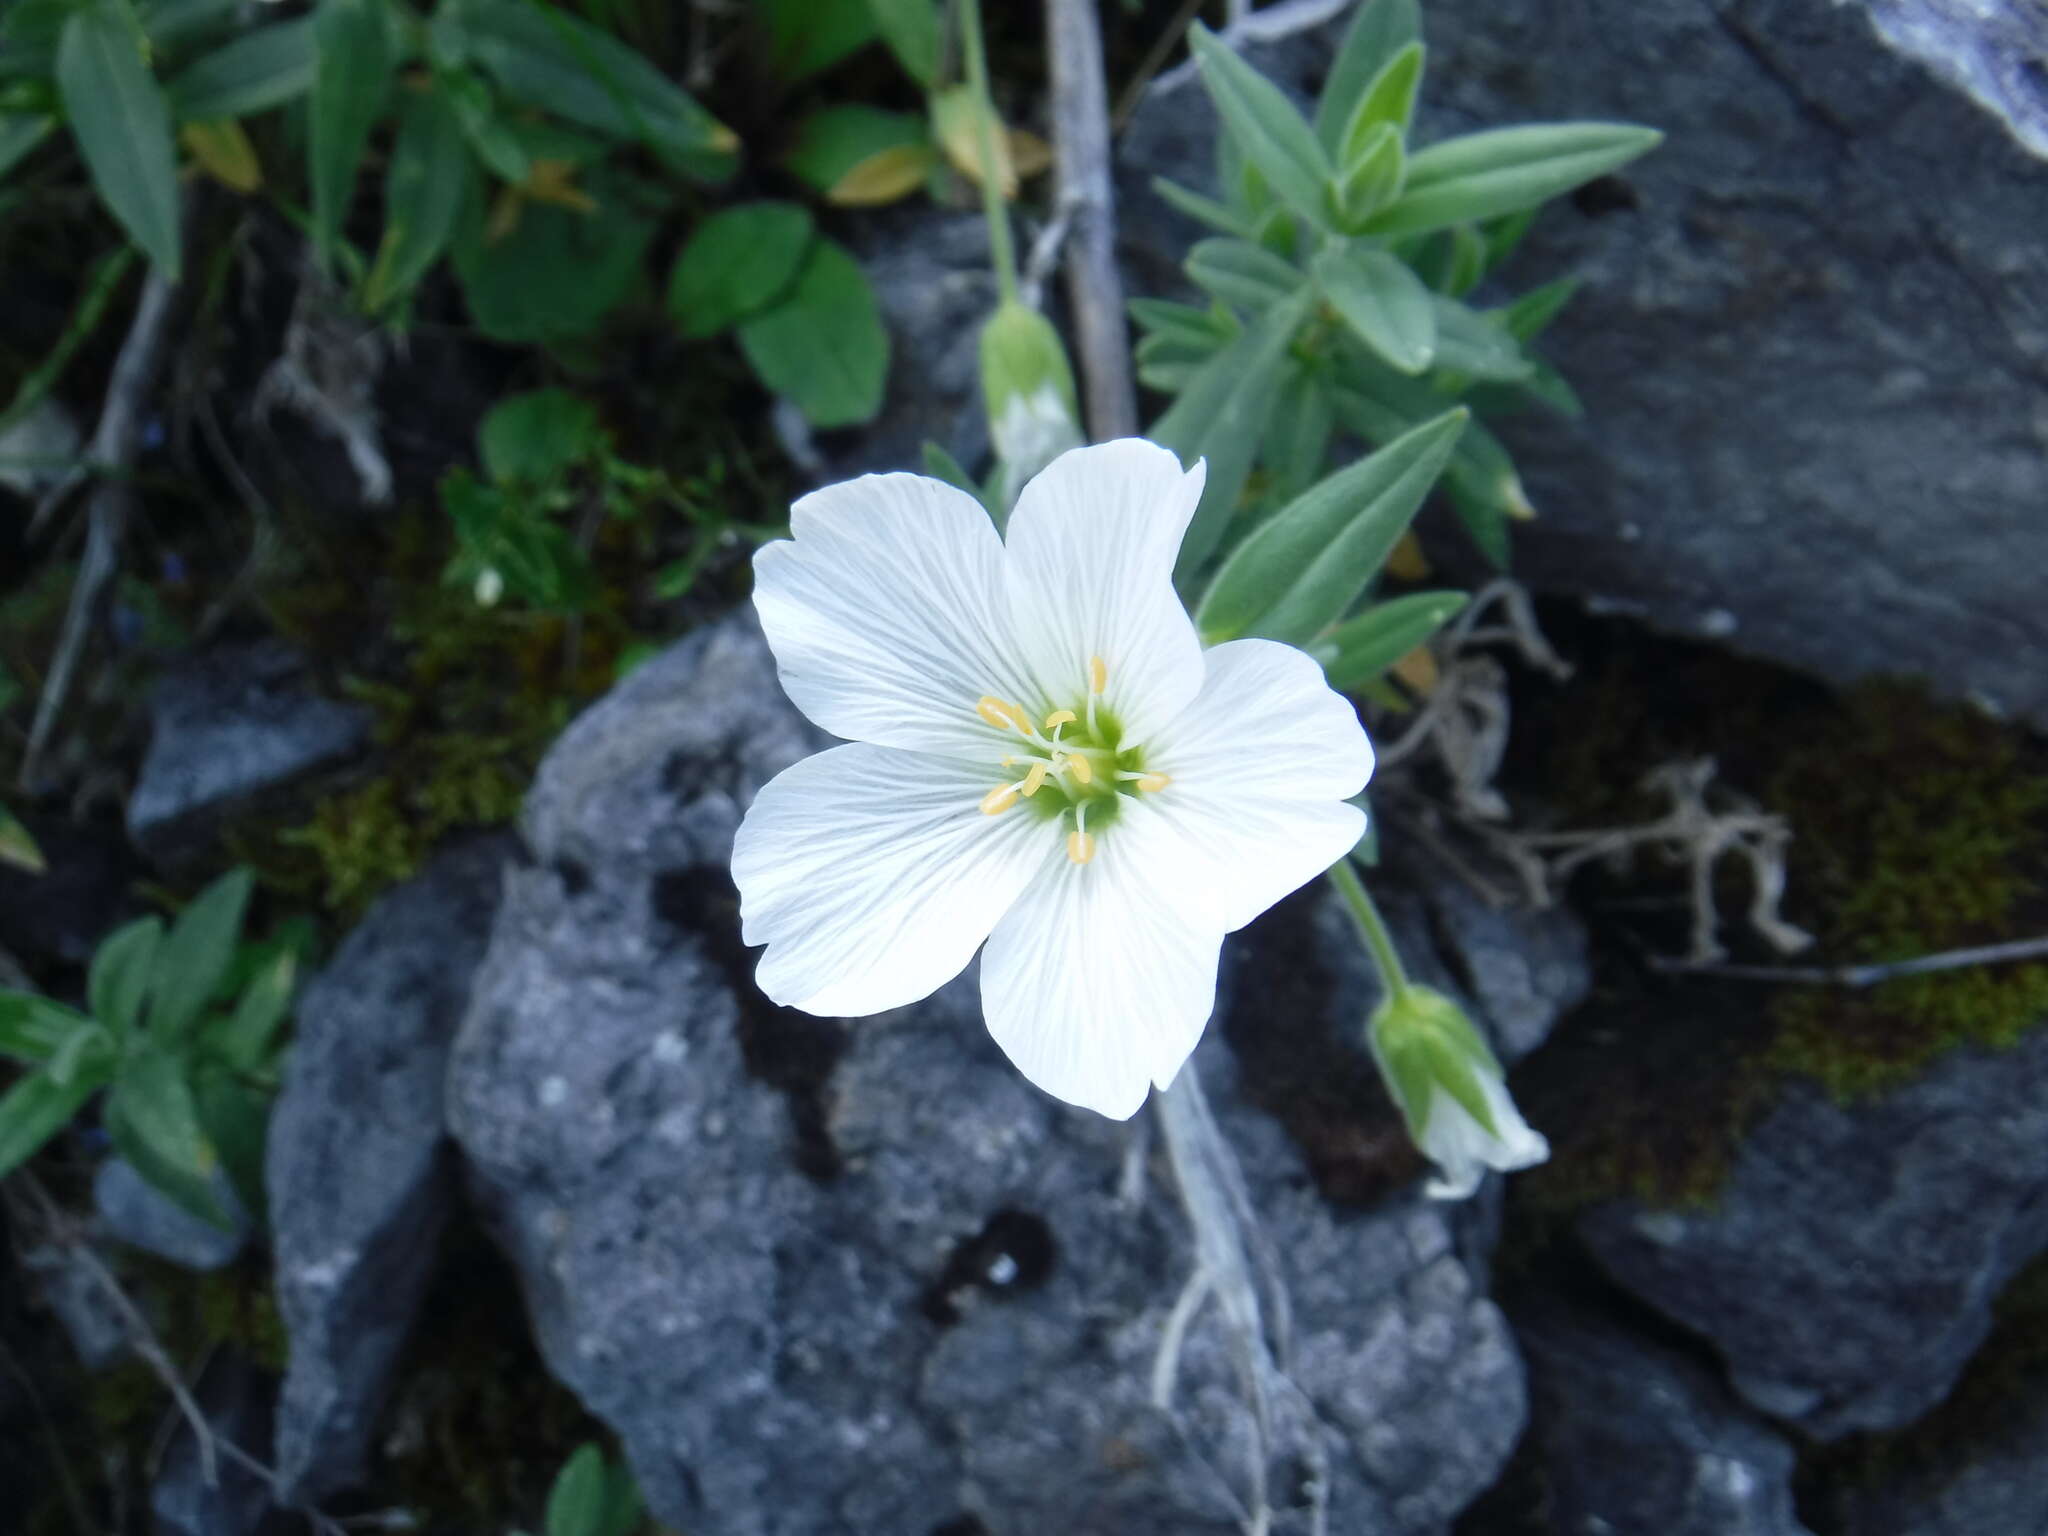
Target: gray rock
[[1848, 1268], [234, 1501], [134, 1211], [1984, 1487], [75, 1296], [359, 1168], [826, 1278], [1812, 319], [227, 728], [1631, 1436]]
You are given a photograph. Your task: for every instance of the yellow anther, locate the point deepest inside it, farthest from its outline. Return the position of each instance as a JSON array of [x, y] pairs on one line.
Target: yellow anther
[[1004, 717], [1001, 798], [1152, 783], [1098, 674], [1079, 766], [1058, 718], [1036, 777], [1080, 846]]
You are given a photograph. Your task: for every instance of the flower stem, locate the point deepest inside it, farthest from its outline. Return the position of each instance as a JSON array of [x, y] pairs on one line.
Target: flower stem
[[1371, 926], [1002, 256]]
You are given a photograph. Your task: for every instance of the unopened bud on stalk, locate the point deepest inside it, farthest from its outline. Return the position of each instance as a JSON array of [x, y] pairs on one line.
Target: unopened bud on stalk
[[1028, 389], [1449, 1085]]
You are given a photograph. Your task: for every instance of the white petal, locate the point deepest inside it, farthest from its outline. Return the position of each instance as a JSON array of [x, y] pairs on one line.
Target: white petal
[[1096, 984], [887, 615], [872, 876], [1463, 1149], [1261, 764], [1090, 573]]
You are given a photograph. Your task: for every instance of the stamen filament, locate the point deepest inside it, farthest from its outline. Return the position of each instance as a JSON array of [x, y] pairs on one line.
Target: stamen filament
[[1080, 846], [1151, 783], [1098, 674]]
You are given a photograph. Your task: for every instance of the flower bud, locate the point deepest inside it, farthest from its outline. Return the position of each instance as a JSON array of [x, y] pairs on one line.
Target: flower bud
[[1029, 392], [1449, 1085]]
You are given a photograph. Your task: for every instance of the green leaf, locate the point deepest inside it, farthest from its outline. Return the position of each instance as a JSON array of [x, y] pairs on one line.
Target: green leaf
[[351, 75], [1388, 102], [1360, 649], [495, 141], [259, 70], [424, 193], [122, 968], [1503, 170], [32, 1028], [1379, 406], [1221, 417], [940, 464], [1203, 210], [1298, 436], [154, 1122], [1163, 317], [842, 146], [823, 346], [1264, 124], [195, 956], [235, 1116], [1467, 264], [123, 127], [1529, 316], [1305, 566], [1241, 274], [245, 1038], [1379, 30], [913, 31], [534, 437], [565, 66], [168, 22], [1476, 345], [736, 263], [1373, 179], [38, 1107], [577, 1502], [806, 37], [17, 847], [558, 274], [21, 132], [1383, 302]]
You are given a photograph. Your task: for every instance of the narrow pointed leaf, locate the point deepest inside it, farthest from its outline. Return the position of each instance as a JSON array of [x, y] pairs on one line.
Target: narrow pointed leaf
[[1481, 478], [1360, 649], [118, 116], [1373, 180], [17, 846], [32, 1028], [1475, 345], [21, 132], [1389, 101], [424, 191], [351, 76], [1304, 567], [1298, 436], [1504, 170], [37, 1108], [1258, 116], [1379, 30], [194, 956], [154, 1122], [1241, 274], [913, 31], [122, 969], [1203, 210], [259, 70], [1529, 316], [1383, 303], [245, 1039]]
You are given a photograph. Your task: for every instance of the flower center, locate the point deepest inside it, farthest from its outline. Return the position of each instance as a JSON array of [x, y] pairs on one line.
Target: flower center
[[1072, 756]]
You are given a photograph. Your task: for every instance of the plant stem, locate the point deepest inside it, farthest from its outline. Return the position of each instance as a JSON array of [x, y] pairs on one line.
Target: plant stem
[[1002, 256], [1371, 926]]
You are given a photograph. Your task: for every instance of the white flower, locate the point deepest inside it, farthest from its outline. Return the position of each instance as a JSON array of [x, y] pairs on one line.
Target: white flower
[[1440, 1070], [1042, 757]]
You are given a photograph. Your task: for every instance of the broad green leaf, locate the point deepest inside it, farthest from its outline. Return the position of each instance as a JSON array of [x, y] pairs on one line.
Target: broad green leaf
[[563, 65], [32, 1028], [557, 274], [244, 1038], [351, 75], [736, 263], [1264, 124], [1203, 210], [195, 955], [1503, 170], [1306, 565], [37, 1108], [21, 132], [823, 346], [843, 145], [1389, 101], [1383, 302], [534, 437], [1221, 417], [17, 847], [914, 31], [123, 127], [1241, 274], [1360, 649], [122, 969], [958, 123], [1475, 345], [577, 1502], [261, 69], [1379, 30], [154, 1122], [1373, 179], [1529, 316], [424, 192], [806, 37]]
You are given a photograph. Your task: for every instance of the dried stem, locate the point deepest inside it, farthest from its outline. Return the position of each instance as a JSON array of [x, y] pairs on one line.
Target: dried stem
[[1869, 975]]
